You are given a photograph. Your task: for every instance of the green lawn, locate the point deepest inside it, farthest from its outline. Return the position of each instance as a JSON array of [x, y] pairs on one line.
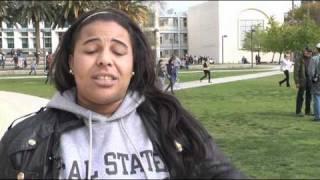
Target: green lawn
[[253, 122], [30, 86]]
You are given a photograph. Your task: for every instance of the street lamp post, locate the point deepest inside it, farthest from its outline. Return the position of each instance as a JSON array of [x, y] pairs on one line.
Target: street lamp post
[[251, 32], [222, 45]]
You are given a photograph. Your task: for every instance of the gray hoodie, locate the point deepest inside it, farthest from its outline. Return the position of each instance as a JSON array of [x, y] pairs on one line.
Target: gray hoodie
[[115, 147]]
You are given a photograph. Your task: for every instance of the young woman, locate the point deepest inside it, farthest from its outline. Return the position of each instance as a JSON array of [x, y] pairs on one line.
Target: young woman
[[171, 75], [206, 71], [285, 67], [108, 118]]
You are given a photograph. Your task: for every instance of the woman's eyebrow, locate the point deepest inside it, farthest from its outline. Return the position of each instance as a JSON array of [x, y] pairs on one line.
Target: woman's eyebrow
[[90, 40], [119, 42]]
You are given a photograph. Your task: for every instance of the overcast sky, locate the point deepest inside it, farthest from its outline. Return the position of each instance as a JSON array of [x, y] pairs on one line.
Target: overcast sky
[[180, 6]]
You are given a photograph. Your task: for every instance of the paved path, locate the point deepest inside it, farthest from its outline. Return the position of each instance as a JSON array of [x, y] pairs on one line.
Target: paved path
[[14, 105], [193, 84]]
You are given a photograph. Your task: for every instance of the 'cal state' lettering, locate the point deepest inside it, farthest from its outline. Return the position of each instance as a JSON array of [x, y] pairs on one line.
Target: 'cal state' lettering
[[112, 165], [147, 154], [160, 167], [95, 175], [135, 163], [123, 157], [74, 172]]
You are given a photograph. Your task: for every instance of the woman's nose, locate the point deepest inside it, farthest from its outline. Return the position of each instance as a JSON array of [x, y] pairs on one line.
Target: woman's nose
[[104, 58]]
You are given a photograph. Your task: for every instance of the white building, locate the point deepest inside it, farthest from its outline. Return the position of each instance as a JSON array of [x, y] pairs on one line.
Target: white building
[[22, 37], [214, 23]]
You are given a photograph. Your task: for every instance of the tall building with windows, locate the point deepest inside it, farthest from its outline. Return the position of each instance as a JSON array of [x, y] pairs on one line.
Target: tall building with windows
[[217, 28], [22, 37], [173, 34]]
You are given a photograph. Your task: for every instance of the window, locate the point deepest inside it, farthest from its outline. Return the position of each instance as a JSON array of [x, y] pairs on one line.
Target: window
[[47, 43], [24, 34], [185, 52], [185, 38], [184, 22], [0, 42], [25, 43], [245, 26], [47, 33], [9, 25], [166, 36], [160, 39], [175, 22], [163, 21], [24, 25], [10, 42], [10, 34], [175, 38]]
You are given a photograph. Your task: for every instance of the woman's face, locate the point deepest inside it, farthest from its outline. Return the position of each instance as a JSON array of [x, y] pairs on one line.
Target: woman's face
[[102, 64]]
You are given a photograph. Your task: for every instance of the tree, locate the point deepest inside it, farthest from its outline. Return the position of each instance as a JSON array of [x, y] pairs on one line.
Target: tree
[[68, 11], [35, 11], [3, 10], [135, 9], [309, 9]]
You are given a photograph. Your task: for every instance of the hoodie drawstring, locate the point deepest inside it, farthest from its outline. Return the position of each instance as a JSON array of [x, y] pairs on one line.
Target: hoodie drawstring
[[90, 146], [134, 147]]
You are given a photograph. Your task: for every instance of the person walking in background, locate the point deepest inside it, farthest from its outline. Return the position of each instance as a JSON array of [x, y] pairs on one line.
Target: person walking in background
[[286, 65], [302, 81], [33, 68], [170, 75], [314, 75], [206, 71], [177, 65], [108, 119], [49, 60], [161, 73]]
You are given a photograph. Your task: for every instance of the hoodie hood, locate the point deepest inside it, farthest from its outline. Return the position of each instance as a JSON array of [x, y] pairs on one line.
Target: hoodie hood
[[67, 102]]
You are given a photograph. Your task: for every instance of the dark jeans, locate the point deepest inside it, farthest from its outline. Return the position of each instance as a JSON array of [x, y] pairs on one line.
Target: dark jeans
[[206, 73], [286, 79], [305, 89], [171, 83]]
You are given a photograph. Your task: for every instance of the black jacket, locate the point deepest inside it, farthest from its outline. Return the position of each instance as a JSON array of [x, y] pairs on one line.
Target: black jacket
[[30, 149]]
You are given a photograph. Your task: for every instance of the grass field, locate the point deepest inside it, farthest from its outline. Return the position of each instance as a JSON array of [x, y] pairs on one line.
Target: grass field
[[253, 122]]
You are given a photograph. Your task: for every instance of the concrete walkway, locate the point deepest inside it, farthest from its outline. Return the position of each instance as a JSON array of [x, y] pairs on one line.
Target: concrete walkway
[[15, 105]]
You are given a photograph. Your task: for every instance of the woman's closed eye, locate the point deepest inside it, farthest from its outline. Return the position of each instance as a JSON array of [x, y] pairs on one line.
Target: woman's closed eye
[[91, 51], [119, 50]]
